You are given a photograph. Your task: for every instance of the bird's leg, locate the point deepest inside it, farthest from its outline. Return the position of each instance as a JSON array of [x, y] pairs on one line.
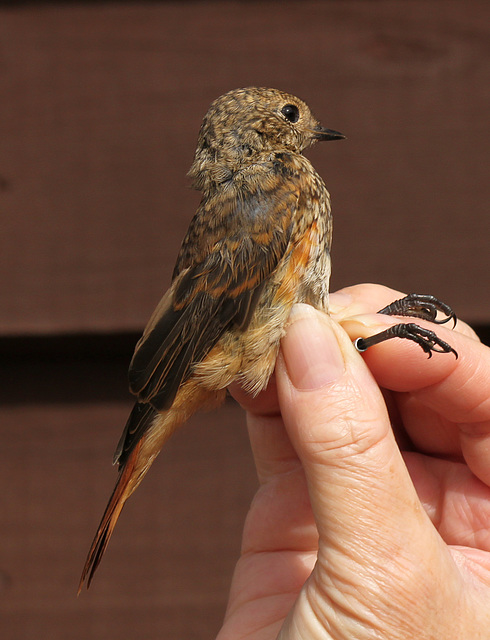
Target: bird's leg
[[414, 306], [420, 305]]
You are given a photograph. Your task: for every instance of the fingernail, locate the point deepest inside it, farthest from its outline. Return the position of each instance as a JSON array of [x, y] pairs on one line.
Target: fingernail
[[310, 349]]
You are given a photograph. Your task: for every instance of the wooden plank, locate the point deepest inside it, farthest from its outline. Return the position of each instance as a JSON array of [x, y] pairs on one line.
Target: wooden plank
[[167, 571], [168, 568], [103, 106]]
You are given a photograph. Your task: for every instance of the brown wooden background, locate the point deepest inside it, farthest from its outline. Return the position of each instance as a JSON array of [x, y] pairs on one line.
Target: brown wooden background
[[100, 105]]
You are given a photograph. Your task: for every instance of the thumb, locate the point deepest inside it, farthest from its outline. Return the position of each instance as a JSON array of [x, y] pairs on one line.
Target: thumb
[[360, 490]]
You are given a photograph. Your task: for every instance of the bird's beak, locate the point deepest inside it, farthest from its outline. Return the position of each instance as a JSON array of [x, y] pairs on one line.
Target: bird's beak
[[322, 134]]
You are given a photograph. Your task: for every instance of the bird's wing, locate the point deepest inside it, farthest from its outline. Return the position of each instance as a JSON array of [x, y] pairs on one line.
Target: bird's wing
[[217, 290], [232, 246], [219, 276]]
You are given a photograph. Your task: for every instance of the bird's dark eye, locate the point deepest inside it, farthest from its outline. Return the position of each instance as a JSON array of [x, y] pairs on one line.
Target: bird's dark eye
[[290, 112]]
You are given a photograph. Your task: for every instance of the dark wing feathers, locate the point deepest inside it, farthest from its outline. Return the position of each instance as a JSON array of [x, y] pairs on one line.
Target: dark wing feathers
[[217, 283], [163, 361], [139, 421]]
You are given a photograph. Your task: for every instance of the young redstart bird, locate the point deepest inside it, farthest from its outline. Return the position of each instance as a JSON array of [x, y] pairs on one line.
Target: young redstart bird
[[258, 243]]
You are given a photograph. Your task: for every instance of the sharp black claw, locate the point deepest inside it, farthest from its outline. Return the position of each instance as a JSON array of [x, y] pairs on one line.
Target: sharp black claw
[[420, 305], [427, 340], [414, 305]]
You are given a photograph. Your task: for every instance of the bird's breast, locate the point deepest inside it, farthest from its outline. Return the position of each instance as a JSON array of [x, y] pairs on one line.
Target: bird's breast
[[302, 275]]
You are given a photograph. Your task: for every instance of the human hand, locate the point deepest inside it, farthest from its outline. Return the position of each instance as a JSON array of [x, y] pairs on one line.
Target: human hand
[[348, 537]]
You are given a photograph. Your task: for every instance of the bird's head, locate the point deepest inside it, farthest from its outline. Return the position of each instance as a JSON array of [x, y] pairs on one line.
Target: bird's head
[[246, 122]]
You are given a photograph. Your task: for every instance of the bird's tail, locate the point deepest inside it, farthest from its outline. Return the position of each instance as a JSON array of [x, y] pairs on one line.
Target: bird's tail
[[145, 434], [126, 483]]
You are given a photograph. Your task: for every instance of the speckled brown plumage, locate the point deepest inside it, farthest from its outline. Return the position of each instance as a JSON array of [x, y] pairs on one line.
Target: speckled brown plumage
[[259, 242]]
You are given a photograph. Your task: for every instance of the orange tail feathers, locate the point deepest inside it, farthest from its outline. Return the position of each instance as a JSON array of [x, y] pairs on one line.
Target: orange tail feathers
[[144, 436], [125, 485]]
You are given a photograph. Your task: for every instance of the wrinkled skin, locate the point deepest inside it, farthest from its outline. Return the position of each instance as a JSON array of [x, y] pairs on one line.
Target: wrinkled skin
[[372, 517]]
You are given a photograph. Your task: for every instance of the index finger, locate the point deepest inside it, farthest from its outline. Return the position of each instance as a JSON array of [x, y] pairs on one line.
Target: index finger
[[273, 452], [455, 393]]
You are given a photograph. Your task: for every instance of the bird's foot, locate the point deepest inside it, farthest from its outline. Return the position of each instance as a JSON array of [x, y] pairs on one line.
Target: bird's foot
[[414, 305]]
